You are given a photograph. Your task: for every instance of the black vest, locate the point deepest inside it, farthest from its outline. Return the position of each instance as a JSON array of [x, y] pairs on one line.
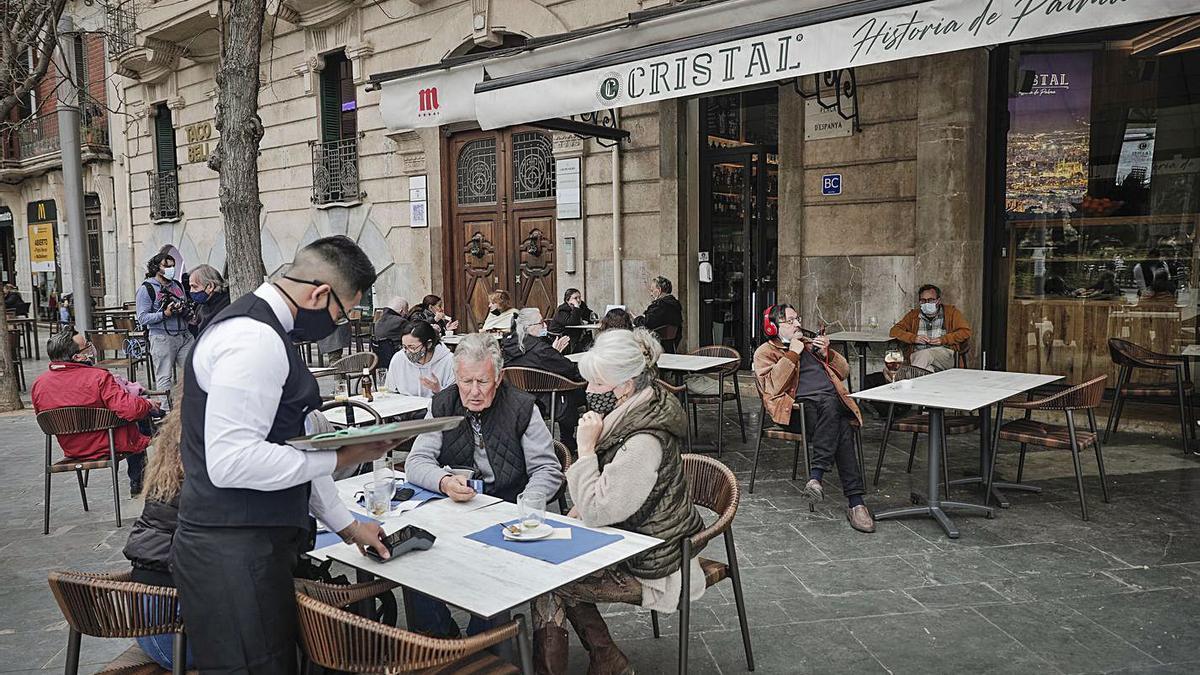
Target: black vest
[[502, 426], [204, 504]]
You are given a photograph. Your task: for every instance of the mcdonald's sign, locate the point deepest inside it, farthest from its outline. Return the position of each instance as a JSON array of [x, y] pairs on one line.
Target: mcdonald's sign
[[43, 217]]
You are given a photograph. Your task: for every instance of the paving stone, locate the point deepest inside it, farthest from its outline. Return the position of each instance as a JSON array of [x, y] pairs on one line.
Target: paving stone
[[956, 567], [1154, 578], [825, 647], [1150, 547], [955, 595], [839, 541], [1162, 623], [1058, 586], [852, 576], [807, 608], [1049, 558], [774, 545], [1064, 637]]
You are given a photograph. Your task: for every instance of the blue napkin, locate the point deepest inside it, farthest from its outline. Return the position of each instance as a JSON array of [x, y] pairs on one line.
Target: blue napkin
[[553, 551], [330, 538], [418, 493]]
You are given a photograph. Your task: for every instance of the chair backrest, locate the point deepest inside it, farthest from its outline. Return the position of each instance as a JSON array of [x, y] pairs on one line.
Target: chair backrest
[[77, 420], [721, 351], [1126, 353], [537, 381], [354, 364], [376, 418], [112, 606], [907, 372], [667, 335], [124, 323], [336, 639], [563, 454], [107, 341], [1083, 396], [964, 354], [713, 486]]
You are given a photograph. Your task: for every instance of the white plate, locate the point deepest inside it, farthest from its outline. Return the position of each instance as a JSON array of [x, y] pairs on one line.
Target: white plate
[[540, 532]]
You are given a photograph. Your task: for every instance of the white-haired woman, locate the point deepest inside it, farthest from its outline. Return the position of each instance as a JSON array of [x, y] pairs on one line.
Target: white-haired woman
[[206, 288], [629, 475], [526, 347]]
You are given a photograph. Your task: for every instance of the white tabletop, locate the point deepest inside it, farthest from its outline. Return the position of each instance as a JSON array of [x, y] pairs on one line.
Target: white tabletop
[[584, 326], [1191, 350], [859, 336], [957, 389], [387, 405], [319, 371], [482, 579], [687, 363]]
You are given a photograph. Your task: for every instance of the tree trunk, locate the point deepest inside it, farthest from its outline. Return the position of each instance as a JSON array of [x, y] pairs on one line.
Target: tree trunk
[[236, 154], [10, 398]]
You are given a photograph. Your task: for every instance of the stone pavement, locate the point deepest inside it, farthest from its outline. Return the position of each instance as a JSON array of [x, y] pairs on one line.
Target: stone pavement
[[1034, 590]]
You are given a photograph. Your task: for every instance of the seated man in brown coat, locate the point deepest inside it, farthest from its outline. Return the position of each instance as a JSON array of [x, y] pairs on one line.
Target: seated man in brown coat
[[789, 367], [933, 333]]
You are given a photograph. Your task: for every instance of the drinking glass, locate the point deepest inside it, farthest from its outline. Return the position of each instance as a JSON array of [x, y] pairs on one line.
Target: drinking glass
[[341, 390], [531, 506], [873, 323], [379, 496]]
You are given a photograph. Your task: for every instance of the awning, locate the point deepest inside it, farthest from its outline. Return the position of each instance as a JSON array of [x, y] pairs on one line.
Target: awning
[[829, 38]]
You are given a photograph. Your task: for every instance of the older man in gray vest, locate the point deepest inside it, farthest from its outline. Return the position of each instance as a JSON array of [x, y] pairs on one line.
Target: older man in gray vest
[[504, 440]]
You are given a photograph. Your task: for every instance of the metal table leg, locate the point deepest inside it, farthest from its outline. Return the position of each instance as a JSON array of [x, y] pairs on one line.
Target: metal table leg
[[862, 366], [989, 433], [936, 507]]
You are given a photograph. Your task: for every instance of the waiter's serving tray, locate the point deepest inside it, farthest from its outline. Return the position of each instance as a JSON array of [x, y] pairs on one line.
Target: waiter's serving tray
[[397, 432]]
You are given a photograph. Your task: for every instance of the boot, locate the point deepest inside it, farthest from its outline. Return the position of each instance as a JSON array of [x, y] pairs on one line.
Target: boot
[[604, 658], [550, 650]]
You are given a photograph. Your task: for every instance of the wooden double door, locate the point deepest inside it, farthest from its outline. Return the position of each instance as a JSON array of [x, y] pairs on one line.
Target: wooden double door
[[502, 215]]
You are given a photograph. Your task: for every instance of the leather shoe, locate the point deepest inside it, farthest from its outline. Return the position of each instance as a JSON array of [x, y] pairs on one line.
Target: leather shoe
[[550, 646], [860, 519], [813, 491]]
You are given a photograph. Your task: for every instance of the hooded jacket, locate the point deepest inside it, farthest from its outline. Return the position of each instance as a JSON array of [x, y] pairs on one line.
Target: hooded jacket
[[404, 376]]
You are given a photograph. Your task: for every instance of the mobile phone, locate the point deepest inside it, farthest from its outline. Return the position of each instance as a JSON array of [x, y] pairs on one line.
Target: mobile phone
[[407, 538], [404, 495]]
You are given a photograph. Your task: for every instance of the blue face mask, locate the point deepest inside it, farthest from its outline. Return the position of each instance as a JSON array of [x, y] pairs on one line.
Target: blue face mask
[[199, 297]]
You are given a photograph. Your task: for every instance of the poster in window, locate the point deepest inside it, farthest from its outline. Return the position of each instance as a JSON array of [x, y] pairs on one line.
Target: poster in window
[[1049, 133]]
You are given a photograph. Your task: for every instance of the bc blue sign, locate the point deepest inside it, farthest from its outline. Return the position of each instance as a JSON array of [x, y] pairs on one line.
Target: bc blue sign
[[831, 184]]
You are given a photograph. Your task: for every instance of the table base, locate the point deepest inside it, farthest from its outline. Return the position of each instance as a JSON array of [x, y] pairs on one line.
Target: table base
[[997, 486], [936, 512]]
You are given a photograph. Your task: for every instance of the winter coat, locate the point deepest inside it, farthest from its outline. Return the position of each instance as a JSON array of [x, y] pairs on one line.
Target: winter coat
[[404, 376], [69, 383]]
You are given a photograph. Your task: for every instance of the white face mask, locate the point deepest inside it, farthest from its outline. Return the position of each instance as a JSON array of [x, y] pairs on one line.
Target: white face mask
[[929, 308], [169, 272]]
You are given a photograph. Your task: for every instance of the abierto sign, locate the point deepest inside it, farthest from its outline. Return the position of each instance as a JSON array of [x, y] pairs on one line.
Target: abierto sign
[[803, 44]]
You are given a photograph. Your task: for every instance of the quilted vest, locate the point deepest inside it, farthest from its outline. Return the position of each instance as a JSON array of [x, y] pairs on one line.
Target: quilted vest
[[502, 426], [668, 513]]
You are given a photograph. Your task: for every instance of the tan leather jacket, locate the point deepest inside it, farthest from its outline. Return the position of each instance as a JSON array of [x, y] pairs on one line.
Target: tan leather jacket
[[777, 369]]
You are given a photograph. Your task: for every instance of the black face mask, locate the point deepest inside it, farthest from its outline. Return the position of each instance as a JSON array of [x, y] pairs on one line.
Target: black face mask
[[311, 325], [496, 312], [602, 403]]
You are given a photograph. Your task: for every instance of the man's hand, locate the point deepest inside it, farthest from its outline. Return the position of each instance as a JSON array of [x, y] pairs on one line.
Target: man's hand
[[456, 488], [561, 343], [574, 512], [431, 383], [365, 535], [453, 325], [587, 434], [361, 453], [922, 340], [935, 341], [169, 310], [796, 345], [821, 342]]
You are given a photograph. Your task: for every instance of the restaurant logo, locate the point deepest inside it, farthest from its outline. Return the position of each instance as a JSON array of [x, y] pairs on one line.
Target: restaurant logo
[[427, 101], [610, 87]]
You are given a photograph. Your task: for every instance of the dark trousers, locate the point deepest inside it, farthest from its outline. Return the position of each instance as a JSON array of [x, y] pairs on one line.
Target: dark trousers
[[135, 466], [432, 617], [236, 592], [832, 436]]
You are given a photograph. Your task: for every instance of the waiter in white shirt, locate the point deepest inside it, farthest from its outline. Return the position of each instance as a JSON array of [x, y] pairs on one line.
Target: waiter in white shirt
[[243, 512]]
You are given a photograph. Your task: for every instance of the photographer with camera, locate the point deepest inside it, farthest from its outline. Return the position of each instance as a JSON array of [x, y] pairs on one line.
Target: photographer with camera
[[163, 309]]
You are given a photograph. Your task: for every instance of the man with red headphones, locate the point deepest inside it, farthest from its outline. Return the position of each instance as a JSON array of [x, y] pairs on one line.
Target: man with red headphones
[[790, 367]]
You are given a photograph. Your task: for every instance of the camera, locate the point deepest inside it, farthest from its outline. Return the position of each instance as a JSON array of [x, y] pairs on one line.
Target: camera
[[183, 308]]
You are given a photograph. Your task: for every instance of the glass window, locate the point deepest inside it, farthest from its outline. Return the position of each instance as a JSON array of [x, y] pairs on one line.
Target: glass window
[[1102, 203]]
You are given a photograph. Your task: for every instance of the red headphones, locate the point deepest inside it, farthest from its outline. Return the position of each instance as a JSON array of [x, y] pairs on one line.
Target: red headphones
[[769, 327]]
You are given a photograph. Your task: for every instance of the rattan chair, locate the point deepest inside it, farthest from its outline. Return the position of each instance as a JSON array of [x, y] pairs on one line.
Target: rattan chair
[[114, 341], [78, 420], [767, 427], [917, 423], [338, 640], [351, 367], [1129, 357], [713, 486], [535, 381], [112, 606], [1028, 431], [565, 460], [719, 399], [350, 406], [681, 392], [668, 337]]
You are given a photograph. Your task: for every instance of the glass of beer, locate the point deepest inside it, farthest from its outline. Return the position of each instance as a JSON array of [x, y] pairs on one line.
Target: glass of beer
[[379, 495], [531, 506], [891, 363], [341, 390]]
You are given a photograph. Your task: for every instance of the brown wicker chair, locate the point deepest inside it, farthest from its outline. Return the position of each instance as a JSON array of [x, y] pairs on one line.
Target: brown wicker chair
[[564, 459], [1129, 357], [351, 367], [713, 486], [681, 392], [917, 423], [719, 399], [114, 341], [767, 427], [112, 606], [535, 381], [668, 337], [77, 420], [336, 639], [1028, 431]]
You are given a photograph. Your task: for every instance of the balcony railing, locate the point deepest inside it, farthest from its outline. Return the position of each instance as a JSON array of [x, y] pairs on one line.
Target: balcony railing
[[335, 171], [121, 26], [38, 136], [164, 195]]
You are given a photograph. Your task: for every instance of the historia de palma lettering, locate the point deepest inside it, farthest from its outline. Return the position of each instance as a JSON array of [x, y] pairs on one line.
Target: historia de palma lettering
[[805, 48]]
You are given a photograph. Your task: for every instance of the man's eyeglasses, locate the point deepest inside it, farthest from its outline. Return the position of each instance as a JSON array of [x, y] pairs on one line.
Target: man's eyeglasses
[[344, 316], [795, 321]]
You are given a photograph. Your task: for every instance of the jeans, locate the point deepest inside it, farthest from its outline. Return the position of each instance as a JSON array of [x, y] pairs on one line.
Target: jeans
[[168, 352], [832, 438], [432, 617], [161, 648], [135, 466]]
